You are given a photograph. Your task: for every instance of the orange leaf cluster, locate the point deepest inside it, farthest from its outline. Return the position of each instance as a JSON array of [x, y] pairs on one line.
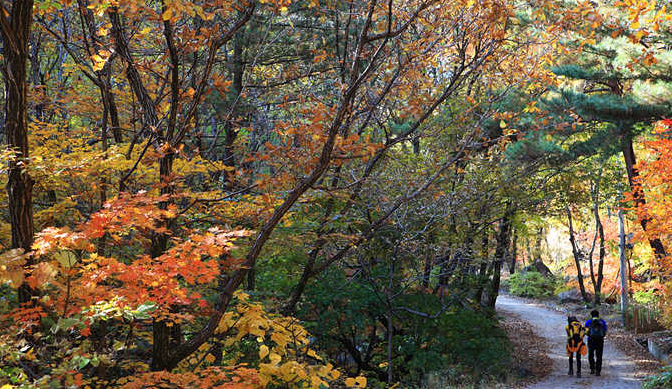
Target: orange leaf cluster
[[82, 277], [214, 377]]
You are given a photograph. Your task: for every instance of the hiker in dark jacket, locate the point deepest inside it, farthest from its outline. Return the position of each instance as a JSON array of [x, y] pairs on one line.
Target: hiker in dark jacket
[[575, 345], [597, 329]]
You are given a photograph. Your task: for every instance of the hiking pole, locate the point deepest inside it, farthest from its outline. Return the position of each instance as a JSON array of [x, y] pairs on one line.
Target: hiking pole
[[624, 277]]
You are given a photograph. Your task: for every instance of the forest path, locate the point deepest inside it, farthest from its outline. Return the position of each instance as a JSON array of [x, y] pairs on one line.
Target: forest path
[[618, 371]]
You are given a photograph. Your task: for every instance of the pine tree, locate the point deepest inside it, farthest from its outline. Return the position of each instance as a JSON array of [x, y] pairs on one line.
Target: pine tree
[[613, 97]]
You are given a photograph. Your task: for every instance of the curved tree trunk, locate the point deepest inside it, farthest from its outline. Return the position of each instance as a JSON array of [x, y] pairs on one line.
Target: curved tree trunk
[[600, 266], [637, 193]]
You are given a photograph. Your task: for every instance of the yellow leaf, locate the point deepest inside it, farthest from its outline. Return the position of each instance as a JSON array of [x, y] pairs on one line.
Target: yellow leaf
[[349, 382], [315, 382], [15, 278], [13, 257], [210, 358], [275, 358], [263, 351], [502, 124], [360, 381], [312, 353], [168, 14], [257, 331]]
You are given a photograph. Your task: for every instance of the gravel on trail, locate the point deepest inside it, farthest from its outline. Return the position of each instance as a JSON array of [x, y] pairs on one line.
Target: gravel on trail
[[618, 370]]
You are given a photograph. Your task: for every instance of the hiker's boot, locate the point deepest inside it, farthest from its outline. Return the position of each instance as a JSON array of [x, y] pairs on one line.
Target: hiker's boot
[[578, 374], [571, 372], [597, 373], [592, 371]]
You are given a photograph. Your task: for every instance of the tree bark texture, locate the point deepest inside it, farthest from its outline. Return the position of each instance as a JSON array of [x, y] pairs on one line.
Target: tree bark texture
[[15, 37], [503, 239], [577, 255], [637, 193]]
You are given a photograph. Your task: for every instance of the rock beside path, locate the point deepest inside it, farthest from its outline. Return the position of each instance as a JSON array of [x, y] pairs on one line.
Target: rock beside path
[[570, 296]]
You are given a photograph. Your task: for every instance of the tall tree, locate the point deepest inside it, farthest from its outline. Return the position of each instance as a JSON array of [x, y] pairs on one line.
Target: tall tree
[[15, 25], [578, 257], [611, 105]]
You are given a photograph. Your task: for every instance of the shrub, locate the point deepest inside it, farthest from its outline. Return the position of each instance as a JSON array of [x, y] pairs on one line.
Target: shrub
[[663, 380], [531, 284], [645, 297], [353, 319], [459, 336]]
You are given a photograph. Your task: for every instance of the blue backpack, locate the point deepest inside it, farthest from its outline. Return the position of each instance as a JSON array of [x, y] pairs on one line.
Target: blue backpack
[[596, 328]]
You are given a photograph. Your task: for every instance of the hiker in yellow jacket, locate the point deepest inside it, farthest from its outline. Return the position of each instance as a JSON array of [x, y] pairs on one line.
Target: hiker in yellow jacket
[[575, 345]]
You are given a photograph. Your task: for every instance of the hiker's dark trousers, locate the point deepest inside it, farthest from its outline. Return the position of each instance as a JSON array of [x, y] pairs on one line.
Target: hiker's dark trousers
[[578, 363], [595, 348]]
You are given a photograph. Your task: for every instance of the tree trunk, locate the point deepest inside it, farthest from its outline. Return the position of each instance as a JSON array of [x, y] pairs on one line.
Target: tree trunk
[[250, 280], [103, 80], [600, 265], [103, 181], [230, 131], [529, 258], [15, 37], [303, 281], [577, 256], [416, 145], [161, 330], [514, 252], [113, 112], [427, 273], [537, 244], [482, 271], [503, 239], [599, 232], [637, 193], [35, 77]]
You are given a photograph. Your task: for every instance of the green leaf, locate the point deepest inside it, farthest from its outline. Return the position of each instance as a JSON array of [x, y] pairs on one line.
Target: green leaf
[[81, 361], [118, 345], [144, 310], [65, 324]]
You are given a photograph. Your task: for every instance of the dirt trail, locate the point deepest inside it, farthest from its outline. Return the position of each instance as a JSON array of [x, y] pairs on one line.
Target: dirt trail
[[618, 371]]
